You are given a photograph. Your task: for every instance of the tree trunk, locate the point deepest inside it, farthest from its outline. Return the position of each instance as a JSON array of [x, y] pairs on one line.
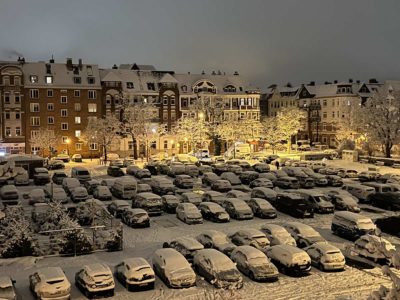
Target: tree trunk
[[289, 143], [135, 154], [388, 149], [105, 154]]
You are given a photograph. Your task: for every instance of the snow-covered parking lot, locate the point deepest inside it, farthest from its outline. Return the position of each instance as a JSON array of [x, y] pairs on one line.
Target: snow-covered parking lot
[[349, 284]]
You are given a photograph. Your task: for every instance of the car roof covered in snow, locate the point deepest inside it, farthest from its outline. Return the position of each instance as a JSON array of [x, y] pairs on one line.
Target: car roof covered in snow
[[136, 262], [285, 249], [213, 233], [148, 195], [217, 258], [249, 251], [97, 269], [274, 227], [137, 210], [172, 257], [189, 243], [325, 246], [5, 281], [52, 273], [351, 216], [251, 232], [121, 202]]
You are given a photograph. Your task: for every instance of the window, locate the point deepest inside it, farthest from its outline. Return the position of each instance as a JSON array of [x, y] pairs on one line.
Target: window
[[7, 98], [50, 120], [93, 146], [333, 114], [77, 107], [6, 80], [78, 146], [7, 115], [77, 93], [64, 126], [49, 79], [165, 100], [34, 93], [77, 120], [17, 99], [17, 115], [35, 107], [92, 94], [172, 100], [165, 144], [64, 113], [33, 79], [77, 133], [324, 115], [184, 88], [129, 85], [91, 80], [64, 99], [49, 93], [17, 80], [17, 131], [64, 139], [151, 86], [50, 106], [35, 121], [77, 80], [324, 102], [34, 133], [92, 107], [8, 131]]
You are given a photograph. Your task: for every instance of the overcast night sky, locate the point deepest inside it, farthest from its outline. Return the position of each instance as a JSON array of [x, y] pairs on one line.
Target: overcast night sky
[[267, 41]]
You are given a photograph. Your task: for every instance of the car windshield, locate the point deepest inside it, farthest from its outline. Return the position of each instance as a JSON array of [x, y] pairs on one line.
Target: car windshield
[[83, 172], [320, 198], [230, 274], [365, 224], [54, 281], [386, 189], [216, 209], [220, 239], [101, 276], [6, 292], [262, 241], [258, 261]]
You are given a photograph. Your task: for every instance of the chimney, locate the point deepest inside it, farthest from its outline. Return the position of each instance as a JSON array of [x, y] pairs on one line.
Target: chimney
[[236, 73], [188, 73], [69, 63], [21, 59], [48, 68], [373, 80], [335, 81], [51, 60], [312, 83], [203, 73], [219, 72], [213, 73], [114, 67], [80, 64], [350, 80], [358, 81]]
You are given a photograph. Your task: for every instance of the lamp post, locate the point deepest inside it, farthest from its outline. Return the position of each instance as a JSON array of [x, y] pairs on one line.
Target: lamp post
[[67, 141]]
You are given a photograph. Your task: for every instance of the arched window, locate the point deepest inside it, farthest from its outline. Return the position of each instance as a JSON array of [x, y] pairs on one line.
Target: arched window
[[205, 87], [229, 89], [165, 100], [184, 88]]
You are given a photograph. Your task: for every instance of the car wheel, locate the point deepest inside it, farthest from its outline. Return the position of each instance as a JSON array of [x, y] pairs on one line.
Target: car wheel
[[321, 267], [165, 245], [88, 294], [251, 276]]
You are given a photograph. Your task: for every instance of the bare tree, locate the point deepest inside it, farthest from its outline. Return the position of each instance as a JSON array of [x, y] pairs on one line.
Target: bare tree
[[103, 131], [45, 139], [289, 123]]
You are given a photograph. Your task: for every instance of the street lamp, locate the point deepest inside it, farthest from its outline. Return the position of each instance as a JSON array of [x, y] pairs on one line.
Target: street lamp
[[67, 141]]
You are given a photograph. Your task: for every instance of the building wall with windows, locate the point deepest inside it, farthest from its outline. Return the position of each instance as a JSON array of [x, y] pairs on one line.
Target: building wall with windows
[[61, 98]]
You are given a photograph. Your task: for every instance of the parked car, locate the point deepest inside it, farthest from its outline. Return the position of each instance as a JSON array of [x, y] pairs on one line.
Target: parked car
[[9, 195], [142, 173], [217, 240], [216, 268], [150, 202], [374, 247], [87, 211], [234, 169], [37, 196], [262, 208], [183, 181], [209, 178], [94, 280], [108, 182], [186, 246], [379, 187], [124, 188], [287, 182], [220, 168], [128, 161], [222, 186], [237, 209], [7, 288], [69, 184], [50, 283], [387, 200], [170, 202], [173, 268], [368, 176], [261, 182], [91, 185], [213, 212], [264, 193], [304, 234], [261, 167], [254, 263], [134, 273], [294, 205], [204, 169], [135, 217], [317, 201], [189, 213], [116, 207], [334, 180], [79, 194], [191, 197], [290, 260], [192, 170], [351, 226], [319, 179], [343, 200], [102, 193], [21, 177], [239, 195], [115, 171], [213, 196], [55, 165], [389, 178], [277, 235], [162, 186], [144, 188], [55, 193], [76, 158], [231, 177], [347, 173], [41, 176], [251, 237], [248, 176], [361, 192], [117, 163], [326, 257], [271, 176], [63, 157]]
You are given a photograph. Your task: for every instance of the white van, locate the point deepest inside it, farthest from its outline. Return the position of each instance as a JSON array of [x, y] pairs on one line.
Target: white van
[[351, 225], [361, 192], [124, 187]]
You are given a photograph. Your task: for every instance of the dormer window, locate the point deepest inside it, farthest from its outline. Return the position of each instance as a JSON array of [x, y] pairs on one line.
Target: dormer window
[[184, 88], [151, 86], [129, 85], [33, 79], [77, 80], [91, 80], [229, 89], [49, 79]]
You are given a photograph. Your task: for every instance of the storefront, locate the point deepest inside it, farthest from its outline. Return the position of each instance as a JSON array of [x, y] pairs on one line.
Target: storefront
[[11, 148]]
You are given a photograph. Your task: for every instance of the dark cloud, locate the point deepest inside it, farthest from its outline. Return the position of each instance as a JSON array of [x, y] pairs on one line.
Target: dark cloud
[[268, 41]]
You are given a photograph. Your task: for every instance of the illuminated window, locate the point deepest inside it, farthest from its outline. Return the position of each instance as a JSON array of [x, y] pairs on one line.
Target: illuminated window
[[92, 107], [77, 133], [77, 120], [33, 79], [49, 79]]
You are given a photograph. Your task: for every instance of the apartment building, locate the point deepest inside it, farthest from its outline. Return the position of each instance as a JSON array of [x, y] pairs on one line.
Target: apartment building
[[12, 116], [61, 97], [326, 105]]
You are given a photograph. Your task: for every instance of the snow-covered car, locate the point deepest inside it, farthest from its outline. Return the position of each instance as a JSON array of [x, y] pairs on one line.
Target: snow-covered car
[[217, 240], [213, 196], [261, 182], [7, 288], [170, 202], [143, 188], [176, 168], [351, 225], [289, 259], [63, 157], [116, 207], [22, 177], [271, 176], [76, 158], [128, 161], [334, 180], [389, 178], [150, 202], [88, 210], [277, 235], [248, 176], [191, 197], [254, 263], [366, 176], [117, 163], [374, 247], [218, 269], [56, 194], [58, 177], [239, 195], [95, 280], [55, 165], [326, 257], [261, 167], [135, 273], [287, 182], [50, 283], [37, 196], [343, 200], [347, 173], [238, 209], [192, 170], [222, 186], [234, 169], [319, 179], [213, 212], [135, 217], [69, 184], [231, 177], [189, 213], [102, 193], [251, 237], [209, 178], [115, 171], [173, 268], [317, 200], [79, 194], [262, 208], [204, 169], [183, 181], [187, 246], [108, 182], [304, 234], [142, 173], [220, 168], [91, 185], [162, 185], [41, 176], [9, 194], [264, 193]]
